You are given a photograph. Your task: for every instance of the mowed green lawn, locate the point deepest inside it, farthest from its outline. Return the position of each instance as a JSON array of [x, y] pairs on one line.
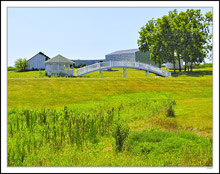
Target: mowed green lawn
[[193, 109]]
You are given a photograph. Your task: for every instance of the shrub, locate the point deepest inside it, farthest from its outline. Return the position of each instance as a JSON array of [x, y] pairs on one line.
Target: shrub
[[120, 133], [170, 110]]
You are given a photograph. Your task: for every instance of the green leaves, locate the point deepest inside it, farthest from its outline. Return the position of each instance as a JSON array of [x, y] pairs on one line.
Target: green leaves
[[186, 33], [120, 133], [21, 64]]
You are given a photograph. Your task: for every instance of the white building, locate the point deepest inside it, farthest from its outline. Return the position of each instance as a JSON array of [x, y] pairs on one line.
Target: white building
[[37, 61]]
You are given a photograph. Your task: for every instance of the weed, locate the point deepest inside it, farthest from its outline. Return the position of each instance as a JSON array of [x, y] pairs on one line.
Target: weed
[[120, 133], [170, 110]]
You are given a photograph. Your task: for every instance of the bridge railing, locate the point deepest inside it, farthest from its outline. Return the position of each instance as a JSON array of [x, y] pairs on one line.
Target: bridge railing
[[110, 64], [86, 69], [155, 69]]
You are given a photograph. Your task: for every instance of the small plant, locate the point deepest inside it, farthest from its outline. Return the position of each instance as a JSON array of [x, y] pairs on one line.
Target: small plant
[[146, 147], [120, 133], [41, 74], [170, 110]]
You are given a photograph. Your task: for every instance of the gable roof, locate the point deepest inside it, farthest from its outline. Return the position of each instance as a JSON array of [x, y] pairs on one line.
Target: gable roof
[[59, 59], [125, 51], [47, 58]]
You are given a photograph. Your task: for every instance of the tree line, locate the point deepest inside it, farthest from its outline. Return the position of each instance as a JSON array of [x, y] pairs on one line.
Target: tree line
[[176, 36]]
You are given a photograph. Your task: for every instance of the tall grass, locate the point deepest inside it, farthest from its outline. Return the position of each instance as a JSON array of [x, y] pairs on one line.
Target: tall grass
[[30, 130]]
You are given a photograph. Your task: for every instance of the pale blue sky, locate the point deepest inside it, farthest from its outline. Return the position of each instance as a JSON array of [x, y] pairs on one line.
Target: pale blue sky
[[76, 33]]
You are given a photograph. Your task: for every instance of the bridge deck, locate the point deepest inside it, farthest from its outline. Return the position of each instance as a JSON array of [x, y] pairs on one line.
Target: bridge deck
[[121, 64]]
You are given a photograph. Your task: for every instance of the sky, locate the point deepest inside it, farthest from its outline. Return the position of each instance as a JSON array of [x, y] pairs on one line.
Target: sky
[[77, 33]]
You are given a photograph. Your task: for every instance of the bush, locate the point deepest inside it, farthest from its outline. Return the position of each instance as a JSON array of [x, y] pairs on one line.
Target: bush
[[120, 133], [170, 110]]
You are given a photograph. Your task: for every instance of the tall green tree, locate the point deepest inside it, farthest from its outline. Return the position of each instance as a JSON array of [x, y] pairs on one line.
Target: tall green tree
[[185, 34], [199, 41], [168, 40], [151, 39], [21, 64], [172, 46]]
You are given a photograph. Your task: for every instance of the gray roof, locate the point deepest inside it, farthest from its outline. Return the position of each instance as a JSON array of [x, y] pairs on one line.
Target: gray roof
[[59, 59], [46, 57], [125, 51]]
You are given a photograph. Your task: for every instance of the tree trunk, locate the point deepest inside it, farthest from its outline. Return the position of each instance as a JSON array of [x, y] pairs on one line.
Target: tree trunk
[[188, 66], [191, 67], [185, 64], [179, 62], [174, 63]]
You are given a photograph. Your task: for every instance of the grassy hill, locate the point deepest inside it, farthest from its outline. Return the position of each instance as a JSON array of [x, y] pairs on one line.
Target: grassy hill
[[110, 121]]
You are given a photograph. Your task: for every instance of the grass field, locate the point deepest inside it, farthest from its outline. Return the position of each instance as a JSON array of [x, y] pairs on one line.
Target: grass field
[[110, 121]]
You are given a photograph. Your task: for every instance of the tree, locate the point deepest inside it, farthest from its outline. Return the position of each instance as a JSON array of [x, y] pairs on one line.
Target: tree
[[168, 39], [172, 46], [199, 40], [157, 36], [185, 34], [21, 64], [151, 40]]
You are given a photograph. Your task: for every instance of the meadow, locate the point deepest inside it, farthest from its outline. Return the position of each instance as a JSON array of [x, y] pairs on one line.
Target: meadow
[[110, 121]]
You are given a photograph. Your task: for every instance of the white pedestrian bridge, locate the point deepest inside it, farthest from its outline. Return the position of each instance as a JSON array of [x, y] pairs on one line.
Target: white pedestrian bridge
[[121, 64]]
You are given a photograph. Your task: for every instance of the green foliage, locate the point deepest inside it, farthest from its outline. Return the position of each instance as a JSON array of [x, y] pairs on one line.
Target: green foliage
[[185, 34], [21, 64], [197, 66], [120, 133], [10, 68], [32, 129], [170, 149], [170, 110]]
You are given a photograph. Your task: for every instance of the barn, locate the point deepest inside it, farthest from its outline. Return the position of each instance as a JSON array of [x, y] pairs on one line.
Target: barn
[[130, 55], [37, 61]]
